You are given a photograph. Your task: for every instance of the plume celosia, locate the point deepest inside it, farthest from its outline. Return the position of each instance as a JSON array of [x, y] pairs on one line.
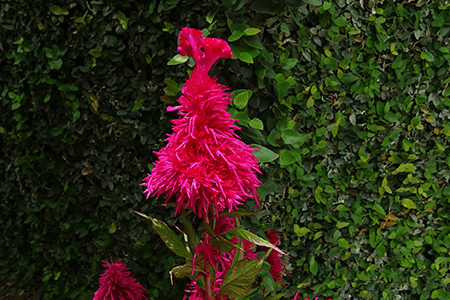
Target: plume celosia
[[117, 284], [274, 258], [204, 163]]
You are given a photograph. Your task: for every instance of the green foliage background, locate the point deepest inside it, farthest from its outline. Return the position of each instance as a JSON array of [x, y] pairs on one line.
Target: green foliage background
[[347, 101]]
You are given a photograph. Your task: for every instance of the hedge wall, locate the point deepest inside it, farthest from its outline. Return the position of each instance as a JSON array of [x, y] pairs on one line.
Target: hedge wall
[[347, 101]]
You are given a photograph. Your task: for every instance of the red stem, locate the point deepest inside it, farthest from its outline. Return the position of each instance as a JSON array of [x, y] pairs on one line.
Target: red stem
[[207, 275]]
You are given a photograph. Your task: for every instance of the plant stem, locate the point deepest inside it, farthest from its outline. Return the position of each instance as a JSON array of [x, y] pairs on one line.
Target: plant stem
[[207, 276]]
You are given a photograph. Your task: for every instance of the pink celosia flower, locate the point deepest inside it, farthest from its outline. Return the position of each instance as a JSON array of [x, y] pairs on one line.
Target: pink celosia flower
[[199, 294], [274, 259], [117, 284], [210, 255], [223, 224], [204, 163]]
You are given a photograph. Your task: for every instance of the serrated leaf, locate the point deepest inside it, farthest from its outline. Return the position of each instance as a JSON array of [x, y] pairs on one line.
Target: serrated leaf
[[240, 277], [177, 60], [182, 271], [169, 237]]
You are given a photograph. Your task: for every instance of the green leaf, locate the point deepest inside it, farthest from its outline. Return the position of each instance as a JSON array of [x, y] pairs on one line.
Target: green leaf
[[313, 266], [246, 57], [241, 99], [95, 53], [263, 154], [169, 237], [340, 224], [427, 56], [340, 22], [256, 123], [177, 60], [349, 78], [55, 64], [237, 34], [381, 250], [408, 167], [251, 237], [193, 238], [326, 5], [251, 31], [343, 243], [313, 2], [123, 20], [408, 203], [292, 136], [286, 157], [182, 271], [240, 277], [56, 10], [301, 231], [377, 207], [438, 22]]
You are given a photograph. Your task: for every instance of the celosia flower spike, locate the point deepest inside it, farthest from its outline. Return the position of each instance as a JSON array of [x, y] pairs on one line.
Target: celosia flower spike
[[276, 264], [117, 284], [204, 163], [204, 51]]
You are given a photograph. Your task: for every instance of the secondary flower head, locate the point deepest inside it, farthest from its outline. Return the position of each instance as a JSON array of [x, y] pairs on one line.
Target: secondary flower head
[[204, 163], [274, 258], [116, 283]]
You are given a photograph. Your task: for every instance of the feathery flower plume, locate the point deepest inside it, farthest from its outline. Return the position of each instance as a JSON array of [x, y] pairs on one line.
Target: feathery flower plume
[[117, 284], [274, 259], [204, 163]]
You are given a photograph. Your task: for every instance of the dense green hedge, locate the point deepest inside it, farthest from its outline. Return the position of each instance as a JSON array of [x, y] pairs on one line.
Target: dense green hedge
[[348, 101]]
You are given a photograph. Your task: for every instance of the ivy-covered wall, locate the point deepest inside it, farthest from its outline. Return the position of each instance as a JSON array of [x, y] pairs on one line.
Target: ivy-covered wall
[[347, 101]]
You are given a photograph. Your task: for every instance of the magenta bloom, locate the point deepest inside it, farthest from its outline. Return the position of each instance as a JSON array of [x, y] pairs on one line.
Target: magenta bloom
[[117, 284], [204, 163], [274, 259]]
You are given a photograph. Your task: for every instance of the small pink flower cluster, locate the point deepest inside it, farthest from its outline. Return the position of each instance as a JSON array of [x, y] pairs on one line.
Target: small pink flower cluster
[[221, 262], [117, 284]]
